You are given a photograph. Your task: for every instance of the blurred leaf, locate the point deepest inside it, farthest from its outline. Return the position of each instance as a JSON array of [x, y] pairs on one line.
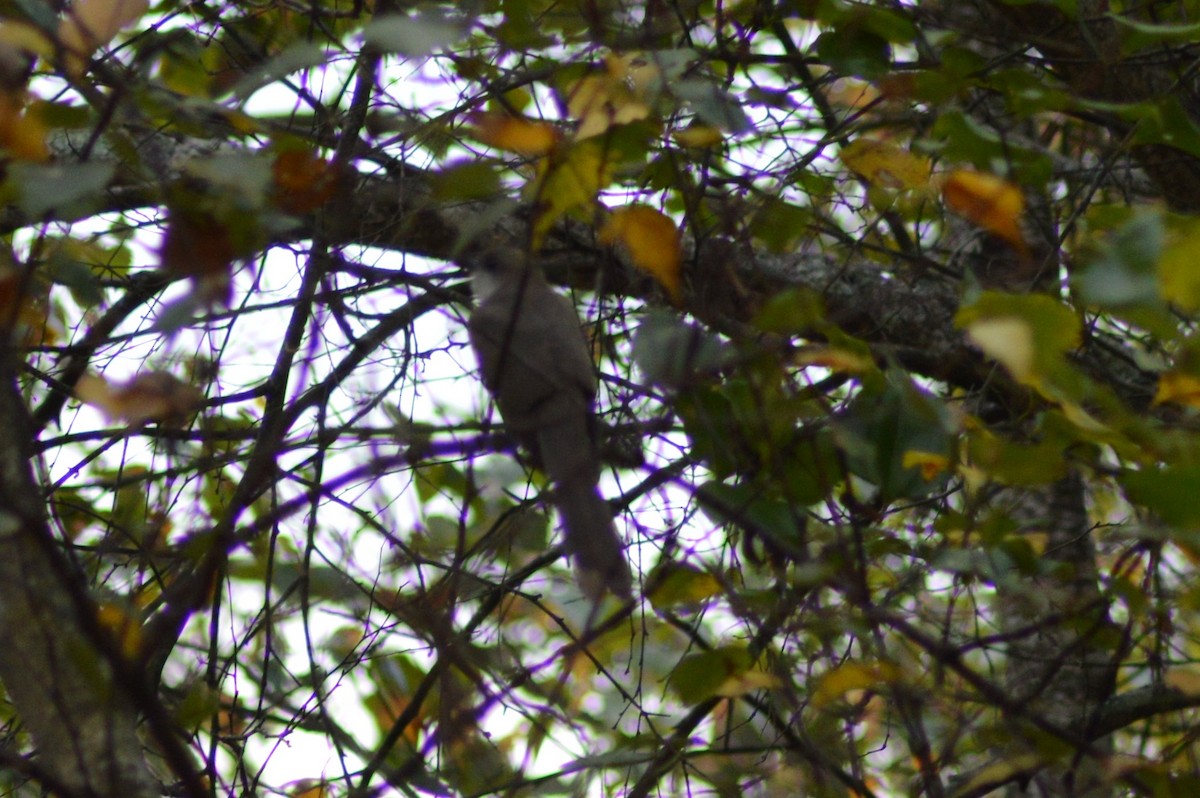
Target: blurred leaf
[[91, 24], [1169, 492], [883, 425], [851, 676], [781, 225], [1028, 335], [698, 137], [996, 774], [418, 34], [853, 50], [1123, 271], [515, 134], [671, 353], [994, 204], [712, 104], [568, 182], [466, 180], [652, 241], [149, 396], [1179, 279], [781, 523], [884, 164], [72, 191], [674, 585], [727, 672], [1138, 35]]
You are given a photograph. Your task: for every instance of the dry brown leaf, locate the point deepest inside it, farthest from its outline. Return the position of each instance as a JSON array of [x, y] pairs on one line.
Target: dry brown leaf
[[151, 396]]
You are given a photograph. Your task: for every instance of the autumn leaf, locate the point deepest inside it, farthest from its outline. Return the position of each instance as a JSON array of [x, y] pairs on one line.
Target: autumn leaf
[[22, 132], [616, 96], [150, 396], [886, 165], [302, 182], [124, 626], [652, 241], [678, 584], [1176, 387], [698, 137], [849, 677], [994, 204], [566, 182], [91, 24], [515, 133]]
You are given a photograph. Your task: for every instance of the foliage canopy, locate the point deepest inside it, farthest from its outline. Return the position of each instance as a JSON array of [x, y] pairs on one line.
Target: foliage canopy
[[894, 309]]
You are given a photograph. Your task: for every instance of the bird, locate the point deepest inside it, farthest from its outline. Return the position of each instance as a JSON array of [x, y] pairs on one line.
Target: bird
[[536, 364]]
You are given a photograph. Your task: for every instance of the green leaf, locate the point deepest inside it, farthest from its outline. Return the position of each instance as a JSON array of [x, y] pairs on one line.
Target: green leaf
[[680, 585], [727, 671], [780, 225], [745, 506], [70, 191], [882, 429], [1138, 35], [1028, 334], [853, 50], [713, 104], [673, 353], [1123, 272], [1168, 492], [1178, 277]]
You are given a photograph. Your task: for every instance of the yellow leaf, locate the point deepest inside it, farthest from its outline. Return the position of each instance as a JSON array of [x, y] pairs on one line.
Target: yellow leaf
[[994, 204], [307, 788], [1008, 340], [23, 37], [852, 93], [652, 241], [850, 676], [125, 627], [1178, 388], [515, 134], [930, 463], [600, 102], [675, 585], [886, 165], [698, 137], [998, 773], [569, 180], [836, 359], [91, 24]]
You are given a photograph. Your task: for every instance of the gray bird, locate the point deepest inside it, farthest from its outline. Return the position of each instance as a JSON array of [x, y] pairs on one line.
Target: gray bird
[[534, 360]]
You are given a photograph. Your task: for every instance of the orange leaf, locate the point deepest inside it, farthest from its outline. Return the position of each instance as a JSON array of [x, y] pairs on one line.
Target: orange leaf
[[515, 134], [22, 133], [652, 241], [994, 204], [303, 182]]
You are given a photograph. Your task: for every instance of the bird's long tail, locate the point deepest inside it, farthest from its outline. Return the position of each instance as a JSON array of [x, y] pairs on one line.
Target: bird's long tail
[[591, 539], [569, 457]]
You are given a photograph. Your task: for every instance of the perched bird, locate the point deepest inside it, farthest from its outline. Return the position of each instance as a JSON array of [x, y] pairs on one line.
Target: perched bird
[[535, 362]]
